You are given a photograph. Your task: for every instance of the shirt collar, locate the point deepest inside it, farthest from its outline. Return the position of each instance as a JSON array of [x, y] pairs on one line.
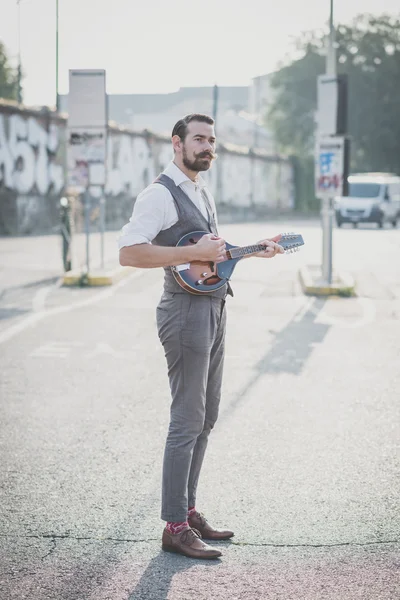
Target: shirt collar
[[179, 177]]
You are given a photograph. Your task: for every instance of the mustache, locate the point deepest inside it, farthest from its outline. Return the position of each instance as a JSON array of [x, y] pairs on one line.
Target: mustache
[[208, 154]]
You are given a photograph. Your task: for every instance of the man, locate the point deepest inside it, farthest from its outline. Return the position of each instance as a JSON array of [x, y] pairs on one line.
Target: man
[[190, 327]]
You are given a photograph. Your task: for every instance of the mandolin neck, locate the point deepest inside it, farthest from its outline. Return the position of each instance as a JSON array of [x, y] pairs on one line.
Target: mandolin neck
[[239, 252]]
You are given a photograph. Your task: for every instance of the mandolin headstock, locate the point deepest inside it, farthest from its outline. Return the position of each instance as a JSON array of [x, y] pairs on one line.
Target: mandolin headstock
[[291, 242]]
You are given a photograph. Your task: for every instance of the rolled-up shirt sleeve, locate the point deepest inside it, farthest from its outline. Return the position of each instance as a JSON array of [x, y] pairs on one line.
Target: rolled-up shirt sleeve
[[148, 217]]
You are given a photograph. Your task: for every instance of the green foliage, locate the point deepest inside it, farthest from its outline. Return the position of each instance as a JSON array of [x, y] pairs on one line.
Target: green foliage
[[292, 113], [368, 50], [8, 77], [303, 169]]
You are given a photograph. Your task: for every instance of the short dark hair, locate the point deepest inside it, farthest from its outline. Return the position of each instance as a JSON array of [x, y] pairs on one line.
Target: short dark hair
[[181, 127]]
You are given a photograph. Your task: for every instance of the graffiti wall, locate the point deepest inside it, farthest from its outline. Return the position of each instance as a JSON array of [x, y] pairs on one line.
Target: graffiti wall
[[33, 173], [31, 169]]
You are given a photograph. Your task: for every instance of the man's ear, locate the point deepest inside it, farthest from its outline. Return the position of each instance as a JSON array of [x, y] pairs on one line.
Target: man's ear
[[176, 143]]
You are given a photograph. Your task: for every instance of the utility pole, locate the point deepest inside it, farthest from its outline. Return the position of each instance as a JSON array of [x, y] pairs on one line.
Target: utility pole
[[327, 206], [215, 103], [257, 110], [57, 96], [332, 151], [331, 53], [19, 70]]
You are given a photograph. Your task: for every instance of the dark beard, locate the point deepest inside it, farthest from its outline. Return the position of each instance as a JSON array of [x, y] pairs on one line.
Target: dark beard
[[198, 164]]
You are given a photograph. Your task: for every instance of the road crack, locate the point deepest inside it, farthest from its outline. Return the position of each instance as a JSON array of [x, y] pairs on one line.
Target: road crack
[[52, 548], [55, 537], [332, 545]]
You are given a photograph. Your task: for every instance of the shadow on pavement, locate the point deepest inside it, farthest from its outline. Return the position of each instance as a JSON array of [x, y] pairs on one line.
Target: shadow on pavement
[[289, 352], [294, 344], [9, 313], [156, 580]]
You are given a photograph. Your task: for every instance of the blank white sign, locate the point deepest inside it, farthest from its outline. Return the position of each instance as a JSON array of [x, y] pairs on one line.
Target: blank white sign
[[327, 99], [87, 101]]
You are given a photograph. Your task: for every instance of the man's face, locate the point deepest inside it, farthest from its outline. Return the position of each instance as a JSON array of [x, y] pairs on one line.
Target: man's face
[[198, 149]]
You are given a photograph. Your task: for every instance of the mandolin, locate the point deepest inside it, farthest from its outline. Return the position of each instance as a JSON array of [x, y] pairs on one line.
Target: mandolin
[[200, 277]]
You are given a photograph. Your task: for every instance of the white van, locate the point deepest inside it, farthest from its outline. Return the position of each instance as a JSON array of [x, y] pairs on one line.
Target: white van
[[373, 198]]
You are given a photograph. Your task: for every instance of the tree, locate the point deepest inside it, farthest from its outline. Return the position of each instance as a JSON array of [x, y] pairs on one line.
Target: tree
[[8, 77], [368, 50]]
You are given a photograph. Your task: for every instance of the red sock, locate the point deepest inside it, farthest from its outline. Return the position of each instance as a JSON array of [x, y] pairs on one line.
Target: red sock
[[191, 511], [174, 528]]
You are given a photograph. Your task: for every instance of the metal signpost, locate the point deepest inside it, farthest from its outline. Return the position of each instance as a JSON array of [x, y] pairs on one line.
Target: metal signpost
[[331, 156], [329, 168], [87, 144]]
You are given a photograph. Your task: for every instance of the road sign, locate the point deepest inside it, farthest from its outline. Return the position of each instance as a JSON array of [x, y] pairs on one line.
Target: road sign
[[87, 129], [87, 100], [330, 167], [332, 105], [87, 146]]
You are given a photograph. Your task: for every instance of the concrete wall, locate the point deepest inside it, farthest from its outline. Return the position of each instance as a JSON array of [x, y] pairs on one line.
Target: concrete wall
[[33, 174]]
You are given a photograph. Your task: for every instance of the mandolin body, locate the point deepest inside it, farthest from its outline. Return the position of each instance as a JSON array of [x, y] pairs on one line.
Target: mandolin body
[[211, 275]]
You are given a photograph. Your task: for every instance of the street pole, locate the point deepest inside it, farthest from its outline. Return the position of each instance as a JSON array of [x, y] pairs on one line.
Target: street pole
[[327, 203], [102, 223], [19, 70], [57, 98], [215, 104], [87, 206], [331, 53], [257, 83]]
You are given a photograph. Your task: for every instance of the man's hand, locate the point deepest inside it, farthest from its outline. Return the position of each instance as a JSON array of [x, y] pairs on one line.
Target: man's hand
[[211, 248], [272, 247]]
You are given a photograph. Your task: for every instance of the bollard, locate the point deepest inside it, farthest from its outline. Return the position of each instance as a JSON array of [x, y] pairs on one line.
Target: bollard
[[65, 228]]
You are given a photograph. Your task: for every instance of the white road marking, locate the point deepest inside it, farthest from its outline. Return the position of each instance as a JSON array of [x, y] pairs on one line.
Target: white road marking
[[304, 309], [33, 319], [54, 349], [103, 348], [39, 299]]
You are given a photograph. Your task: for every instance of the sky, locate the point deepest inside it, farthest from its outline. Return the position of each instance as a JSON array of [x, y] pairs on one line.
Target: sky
[[158, 46]]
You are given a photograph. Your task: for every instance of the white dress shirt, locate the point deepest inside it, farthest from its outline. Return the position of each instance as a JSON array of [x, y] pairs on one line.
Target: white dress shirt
[[155, 210]]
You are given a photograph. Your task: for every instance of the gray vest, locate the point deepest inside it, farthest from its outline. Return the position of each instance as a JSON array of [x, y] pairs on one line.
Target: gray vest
[[189, 219]]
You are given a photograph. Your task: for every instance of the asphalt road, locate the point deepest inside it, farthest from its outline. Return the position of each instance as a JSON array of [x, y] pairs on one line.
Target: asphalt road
[[303, 463]]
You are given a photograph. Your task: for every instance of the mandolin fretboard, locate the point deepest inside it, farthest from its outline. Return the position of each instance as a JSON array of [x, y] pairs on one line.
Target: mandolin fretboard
[[237, 252]]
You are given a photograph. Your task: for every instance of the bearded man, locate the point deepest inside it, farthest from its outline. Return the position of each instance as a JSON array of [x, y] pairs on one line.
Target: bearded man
[[191, 327]]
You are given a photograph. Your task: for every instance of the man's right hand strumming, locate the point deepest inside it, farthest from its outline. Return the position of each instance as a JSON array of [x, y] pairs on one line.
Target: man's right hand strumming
[[211, 248]]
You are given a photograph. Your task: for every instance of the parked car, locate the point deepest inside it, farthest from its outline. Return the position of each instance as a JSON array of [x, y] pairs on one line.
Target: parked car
[[373, 198]]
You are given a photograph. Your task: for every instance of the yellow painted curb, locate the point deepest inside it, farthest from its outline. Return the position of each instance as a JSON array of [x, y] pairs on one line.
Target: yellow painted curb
[[312, 284], [96, 277]]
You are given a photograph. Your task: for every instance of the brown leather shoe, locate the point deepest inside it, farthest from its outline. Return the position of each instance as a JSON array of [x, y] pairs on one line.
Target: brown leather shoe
[[199, 522], [188, 543]]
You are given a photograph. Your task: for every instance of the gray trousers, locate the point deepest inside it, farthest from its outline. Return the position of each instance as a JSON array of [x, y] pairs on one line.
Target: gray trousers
[[192, 331]]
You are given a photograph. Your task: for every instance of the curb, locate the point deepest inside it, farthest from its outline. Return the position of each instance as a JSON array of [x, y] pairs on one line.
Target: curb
[[96, 277], [313, 285]]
